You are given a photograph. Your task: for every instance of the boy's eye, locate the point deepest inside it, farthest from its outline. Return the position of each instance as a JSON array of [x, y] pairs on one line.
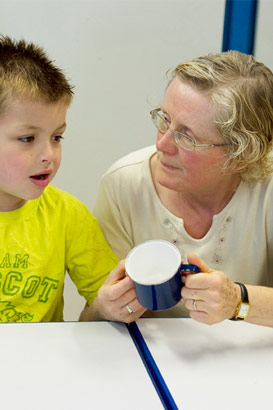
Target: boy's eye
[[57, 138], [27, 139]]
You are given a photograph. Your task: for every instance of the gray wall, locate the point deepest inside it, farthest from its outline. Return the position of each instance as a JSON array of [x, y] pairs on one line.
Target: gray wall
[[264, 33], [116, 53]]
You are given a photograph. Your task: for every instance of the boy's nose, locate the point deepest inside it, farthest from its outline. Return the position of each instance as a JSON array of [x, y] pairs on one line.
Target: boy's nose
[[46, 153]]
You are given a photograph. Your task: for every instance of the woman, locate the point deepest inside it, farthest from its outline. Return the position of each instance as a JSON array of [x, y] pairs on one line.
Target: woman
[[207, 187]]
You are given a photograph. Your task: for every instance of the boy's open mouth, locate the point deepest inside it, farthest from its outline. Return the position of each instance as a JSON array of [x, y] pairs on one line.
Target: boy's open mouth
[[41, 179], [42, 176]]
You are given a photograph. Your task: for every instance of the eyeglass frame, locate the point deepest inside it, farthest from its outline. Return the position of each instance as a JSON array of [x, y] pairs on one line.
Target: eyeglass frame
[[177, 133]]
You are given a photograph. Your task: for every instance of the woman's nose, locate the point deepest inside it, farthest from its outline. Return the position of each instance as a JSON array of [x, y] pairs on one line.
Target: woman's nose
[[166, 143]]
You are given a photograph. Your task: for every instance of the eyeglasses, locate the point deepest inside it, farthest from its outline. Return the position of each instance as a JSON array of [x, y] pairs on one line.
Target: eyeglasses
[[181, 139]]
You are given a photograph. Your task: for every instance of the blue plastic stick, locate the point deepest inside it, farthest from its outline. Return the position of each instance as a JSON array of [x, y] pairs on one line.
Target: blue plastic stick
[[151, 367]]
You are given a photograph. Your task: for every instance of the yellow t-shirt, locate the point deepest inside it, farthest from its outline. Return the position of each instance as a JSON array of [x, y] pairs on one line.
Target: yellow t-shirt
[[39, 243]]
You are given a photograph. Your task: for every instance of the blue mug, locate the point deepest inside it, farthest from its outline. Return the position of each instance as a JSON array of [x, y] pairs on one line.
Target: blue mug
[[155, 269]]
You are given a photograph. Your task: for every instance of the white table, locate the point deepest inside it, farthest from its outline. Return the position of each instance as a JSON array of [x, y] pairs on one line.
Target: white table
[[227, 366], [72, 365]]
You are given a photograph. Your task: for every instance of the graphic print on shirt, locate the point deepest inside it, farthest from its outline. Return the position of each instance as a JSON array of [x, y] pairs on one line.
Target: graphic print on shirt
[[217, 259], [9, 313], [20, 289]]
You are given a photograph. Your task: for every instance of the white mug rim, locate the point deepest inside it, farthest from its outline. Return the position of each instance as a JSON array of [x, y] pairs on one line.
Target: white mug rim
[[166, 279]]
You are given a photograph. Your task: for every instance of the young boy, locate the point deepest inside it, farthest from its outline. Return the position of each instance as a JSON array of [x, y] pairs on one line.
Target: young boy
[[44, 231]]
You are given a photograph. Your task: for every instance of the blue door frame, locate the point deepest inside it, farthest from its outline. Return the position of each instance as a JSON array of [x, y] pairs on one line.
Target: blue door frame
[[240, 25]]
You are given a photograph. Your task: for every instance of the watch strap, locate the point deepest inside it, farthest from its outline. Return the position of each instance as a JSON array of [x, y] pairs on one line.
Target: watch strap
[[244, 293], [244, 299]]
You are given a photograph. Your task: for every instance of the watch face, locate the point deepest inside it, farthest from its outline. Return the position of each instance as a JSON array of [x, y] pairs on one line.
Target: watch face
[[244, 308]]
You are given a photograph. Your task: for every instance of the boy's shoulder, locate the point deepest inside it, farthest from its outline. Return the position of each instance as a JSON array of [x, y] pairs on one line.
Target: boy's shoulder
[[56, 197], [54, 192]]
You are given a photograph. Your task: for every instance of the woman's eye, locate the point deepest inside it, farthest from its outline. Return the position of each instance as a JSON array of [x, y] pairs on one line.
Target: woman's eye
[[184, 131], [26, 139], [57, 138]]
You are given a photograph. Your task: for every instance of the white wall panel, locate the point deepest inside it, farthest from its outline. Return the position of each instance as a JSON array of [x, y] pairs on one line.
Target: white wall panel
[[116, 53], [264, 33]]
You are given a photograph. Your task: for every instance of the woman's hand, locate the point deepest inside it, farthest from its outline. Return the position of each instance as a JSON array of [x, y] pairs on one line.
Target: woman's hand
[[115, 294], [210, 295]]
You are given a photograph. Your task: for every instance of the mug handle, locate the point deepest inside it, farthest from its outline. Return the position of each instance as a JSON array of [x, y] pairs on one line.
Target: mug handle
[[188, 268]]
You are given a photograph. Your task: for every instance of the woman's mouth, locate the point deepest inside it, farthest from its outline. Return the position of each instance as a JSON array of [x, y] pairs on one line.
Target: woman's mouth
[[168, 166]]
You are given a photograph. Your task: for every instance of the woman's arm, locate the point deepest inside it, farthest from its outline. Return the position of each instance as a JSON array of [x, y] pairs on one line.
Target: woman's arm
[[114, 223]]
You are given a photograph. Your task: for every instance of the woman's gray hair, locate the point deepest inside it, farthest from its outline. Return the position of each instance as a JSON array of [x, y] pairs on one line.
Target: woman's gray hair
[[241, 90]]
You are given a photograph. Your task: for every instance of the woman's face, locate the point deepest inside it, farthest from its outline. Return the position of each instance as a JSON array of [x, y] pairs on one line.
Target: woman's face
[[191, 112]]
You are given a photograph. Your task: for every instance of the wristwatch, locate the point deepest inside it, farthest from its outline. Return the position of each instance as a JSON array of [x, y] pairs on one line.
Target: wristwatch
[[243, 306]]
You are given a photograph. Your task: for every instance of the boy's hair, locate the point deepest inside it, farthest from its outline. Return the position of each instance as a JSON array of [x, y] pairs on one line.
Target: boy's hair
[[241, 90], [26, 71]]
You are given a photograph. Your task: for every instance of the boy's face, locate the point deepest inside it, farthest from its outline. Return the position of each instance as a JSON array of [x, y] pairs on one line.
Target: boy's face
[[30, 149]]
